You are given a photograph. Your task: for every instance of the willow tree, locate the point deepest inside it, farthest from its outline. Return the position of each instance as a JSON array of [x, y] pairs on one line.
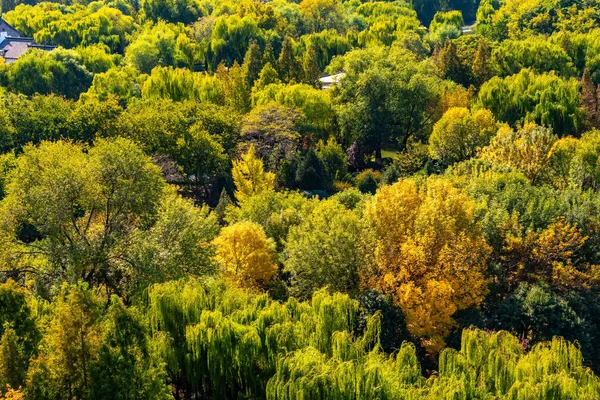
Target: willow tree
[[225, 342], [495, 365], [423, 246]]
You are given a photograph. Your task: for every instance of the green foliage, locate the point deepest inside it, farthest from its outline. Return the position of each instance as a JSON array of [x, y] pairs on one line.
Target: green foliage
[[162, 45], [459, 134], [527, 97], [323, 250], [91, 200], [366, 182], [60, 72], [334, 157]]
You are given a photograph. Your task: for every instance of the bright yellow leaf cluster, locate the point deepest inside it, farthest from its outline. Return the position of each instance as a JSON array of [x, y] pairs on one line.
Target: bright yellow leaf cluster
[[246, 255], [422, 246], [250, 177]]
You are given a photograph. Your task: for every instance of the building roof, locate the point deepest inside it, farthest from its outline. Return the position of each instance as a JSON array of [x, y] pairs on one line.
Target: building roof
[[12, 48], [331, 79]]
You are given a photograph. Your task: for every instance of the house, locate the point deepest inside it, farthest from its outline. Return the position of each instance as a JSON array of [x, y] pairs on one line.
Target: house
[[328, 81], [12, 45]]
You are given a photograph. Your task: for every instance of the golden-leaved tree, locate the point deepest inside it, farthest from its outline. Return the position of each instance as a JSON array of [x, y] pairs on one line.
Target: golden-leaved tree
[[246, 255], [423, 246], [250, 177]]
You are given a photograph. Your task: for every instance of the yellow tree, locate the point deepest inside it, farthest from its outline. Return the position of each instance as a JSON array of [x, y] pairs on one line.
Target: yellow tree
[[526, 149], [250, 177], [423, 246], [246, 255]]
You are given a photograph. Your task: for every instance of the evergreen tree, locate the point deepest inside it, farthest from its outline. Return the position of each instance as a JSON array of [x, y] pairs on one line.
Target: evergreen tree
[[224, 202], [288, 65], [8, 5], [269, 55], [451, 65], [312, 173], [252, 64], [267, 76], [482, 69], [311, 68]]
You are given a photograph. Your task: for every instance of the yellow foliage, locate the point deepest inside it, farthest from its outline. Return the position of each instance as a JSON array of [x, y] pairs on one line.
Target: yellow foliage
[[250, 177], [527, 149], [11, 394], [423, 247], [246, 255], [549, 256]]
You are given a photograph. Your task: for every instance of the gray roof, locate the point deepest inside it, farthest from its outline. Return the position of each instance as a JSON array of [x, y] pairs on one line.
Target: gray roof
[[12, 48]]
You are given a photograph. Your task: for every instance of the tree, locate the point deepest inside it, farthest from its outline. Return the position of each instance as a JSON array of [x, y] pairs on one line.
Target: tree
[[535, 53], [451, 65], [177, 245], [249, 176], [366, 182], [268, 75], [235, 88], [69, 347], [13, 360], [545, 99], [77, 209], [201, 157], [311, 68], [16, 315], [290, 69], [246, 255], [482, 69], [383, 101], [231, 36], [526, 150], [7, 5], [323, 250], [186, 11], [60, 72], [459, 134], [312, 173], [252, 66], [274, 131], [424, 248], [334, 157], [589, 97], [321, 14], [127, 366]]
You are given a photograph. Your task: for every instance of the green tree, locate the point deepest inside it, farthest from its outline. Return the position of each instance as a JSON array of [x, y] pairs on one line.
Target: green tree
[[70, 347], [311, 68], [482, 68], [202, 159], [459, 134], [290, 69], [312, 173], [545, 99], [13, 360], [334, 157], [253, 64], [127, 367], [323, 250], [76, 209], [268, 75]]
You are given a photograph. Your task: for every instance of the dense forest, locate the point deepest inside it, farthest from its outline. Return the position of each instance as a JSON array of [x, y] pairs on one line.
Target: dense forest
[[297, 200]]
